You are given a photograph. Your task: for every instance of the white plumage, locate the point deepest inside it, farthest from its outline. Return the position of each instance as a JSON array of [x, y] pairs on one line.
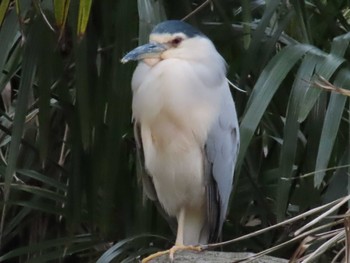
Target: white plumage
[[186, 128]]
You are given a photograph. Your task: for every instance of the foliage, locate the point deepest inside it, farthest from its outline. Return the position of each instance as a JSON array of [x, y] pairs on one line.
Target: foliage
[[67, 174]]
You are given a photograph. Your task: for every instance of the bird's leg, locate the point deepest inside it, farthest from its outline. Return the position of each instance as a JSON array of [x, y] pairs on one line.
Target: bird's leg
[[171, 252], [180, 227], [179, 241], [179, 244], [182, 247]]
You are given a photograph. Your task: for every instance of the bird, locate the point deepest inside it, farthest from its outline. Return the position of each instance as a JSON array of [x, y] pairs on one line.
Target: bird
[[186, 130]]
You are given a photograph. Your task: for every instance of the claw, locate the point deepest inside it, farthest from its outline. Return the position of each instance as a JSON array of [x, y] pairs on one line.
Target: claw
[[155, 255], [171, 252]]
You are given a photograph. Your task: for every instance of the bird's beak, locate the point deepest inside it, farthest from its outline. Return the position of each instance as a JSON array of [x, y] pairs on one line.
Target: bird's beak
[[150, 50]]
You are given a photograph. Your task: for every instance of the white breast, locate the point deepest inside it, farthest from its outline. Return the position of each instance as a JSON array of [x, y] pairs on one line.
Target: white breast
[[175, 112]]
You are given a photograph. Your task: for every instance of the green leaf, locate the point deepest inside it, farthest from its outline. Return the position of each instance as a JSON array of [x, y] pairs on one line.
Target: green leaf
[[28, 72], [39, 192], [325, 69], [42, 178], [17, 5], [120, 247], [66, 251], [84, 88], [46, 59], [257, 36], [334, 111], [112, 158], [340, 45], [61, 8], [83, 17], [8, 35], [22, 7], [75, 186], [331, 124], [302, 19], [39, 206], [61, 243], [337, 186], [16, 221], [3, 8], [291, 129], [12, 65], [264, 89]]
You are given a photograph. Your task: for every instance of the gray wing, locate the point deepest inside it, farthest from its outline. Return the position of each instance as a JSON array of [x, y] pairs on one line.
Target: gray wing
[[149, 190], [221, 151]]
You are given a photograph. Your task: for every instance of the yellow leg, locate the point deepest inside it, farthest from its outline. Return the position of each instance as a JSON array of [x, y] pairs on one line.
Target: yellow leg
[[171, 252]]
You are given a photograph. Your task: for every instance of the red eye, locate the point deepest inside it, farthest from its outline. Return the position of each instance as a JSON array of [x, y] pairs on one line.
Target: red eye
[[176, 41]]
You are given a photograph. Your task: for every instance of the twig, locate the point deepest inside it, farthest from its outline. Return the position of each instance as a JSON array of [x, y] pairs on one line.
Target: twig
[[196, 10], [318, 171], [269, 250], [335, 259], [256, 233], [317, 219], [323, 247], [347, 239], [326, 85]]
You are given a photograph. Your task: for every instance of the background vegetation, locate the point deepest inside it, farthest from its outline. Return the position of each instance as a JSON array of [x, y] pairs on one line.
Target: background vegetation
[[67, 174]]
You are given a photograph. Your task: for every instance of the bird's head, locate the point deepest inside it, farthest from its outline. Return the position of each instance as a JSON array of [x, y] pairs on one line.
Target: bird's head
[[172, 39]]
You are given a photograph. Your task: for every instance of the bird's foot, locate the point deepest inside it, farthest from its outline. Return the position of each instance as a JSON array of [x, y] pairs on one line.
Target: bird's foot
[[182, 247], [171, 252]]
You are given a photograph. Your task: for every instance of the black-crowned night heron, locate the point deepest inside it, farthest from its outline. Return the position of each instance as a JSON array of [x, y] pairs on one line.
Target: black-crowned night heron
[[186, 129]]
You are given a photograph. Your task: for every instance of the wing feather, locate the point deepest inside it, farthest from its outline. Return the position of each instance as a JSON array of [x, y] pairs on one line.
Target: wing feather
[[221, 150]]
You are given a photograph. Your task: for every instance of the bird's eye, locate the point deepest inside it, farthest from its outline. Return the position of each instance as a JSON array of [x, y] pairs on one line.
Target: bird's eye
[[176, 41]]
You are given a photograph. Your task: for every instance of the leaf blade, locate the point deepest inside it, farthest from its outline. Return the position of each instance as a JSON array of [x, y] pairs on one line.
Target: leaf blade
[[83, 16], [264, 90]]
